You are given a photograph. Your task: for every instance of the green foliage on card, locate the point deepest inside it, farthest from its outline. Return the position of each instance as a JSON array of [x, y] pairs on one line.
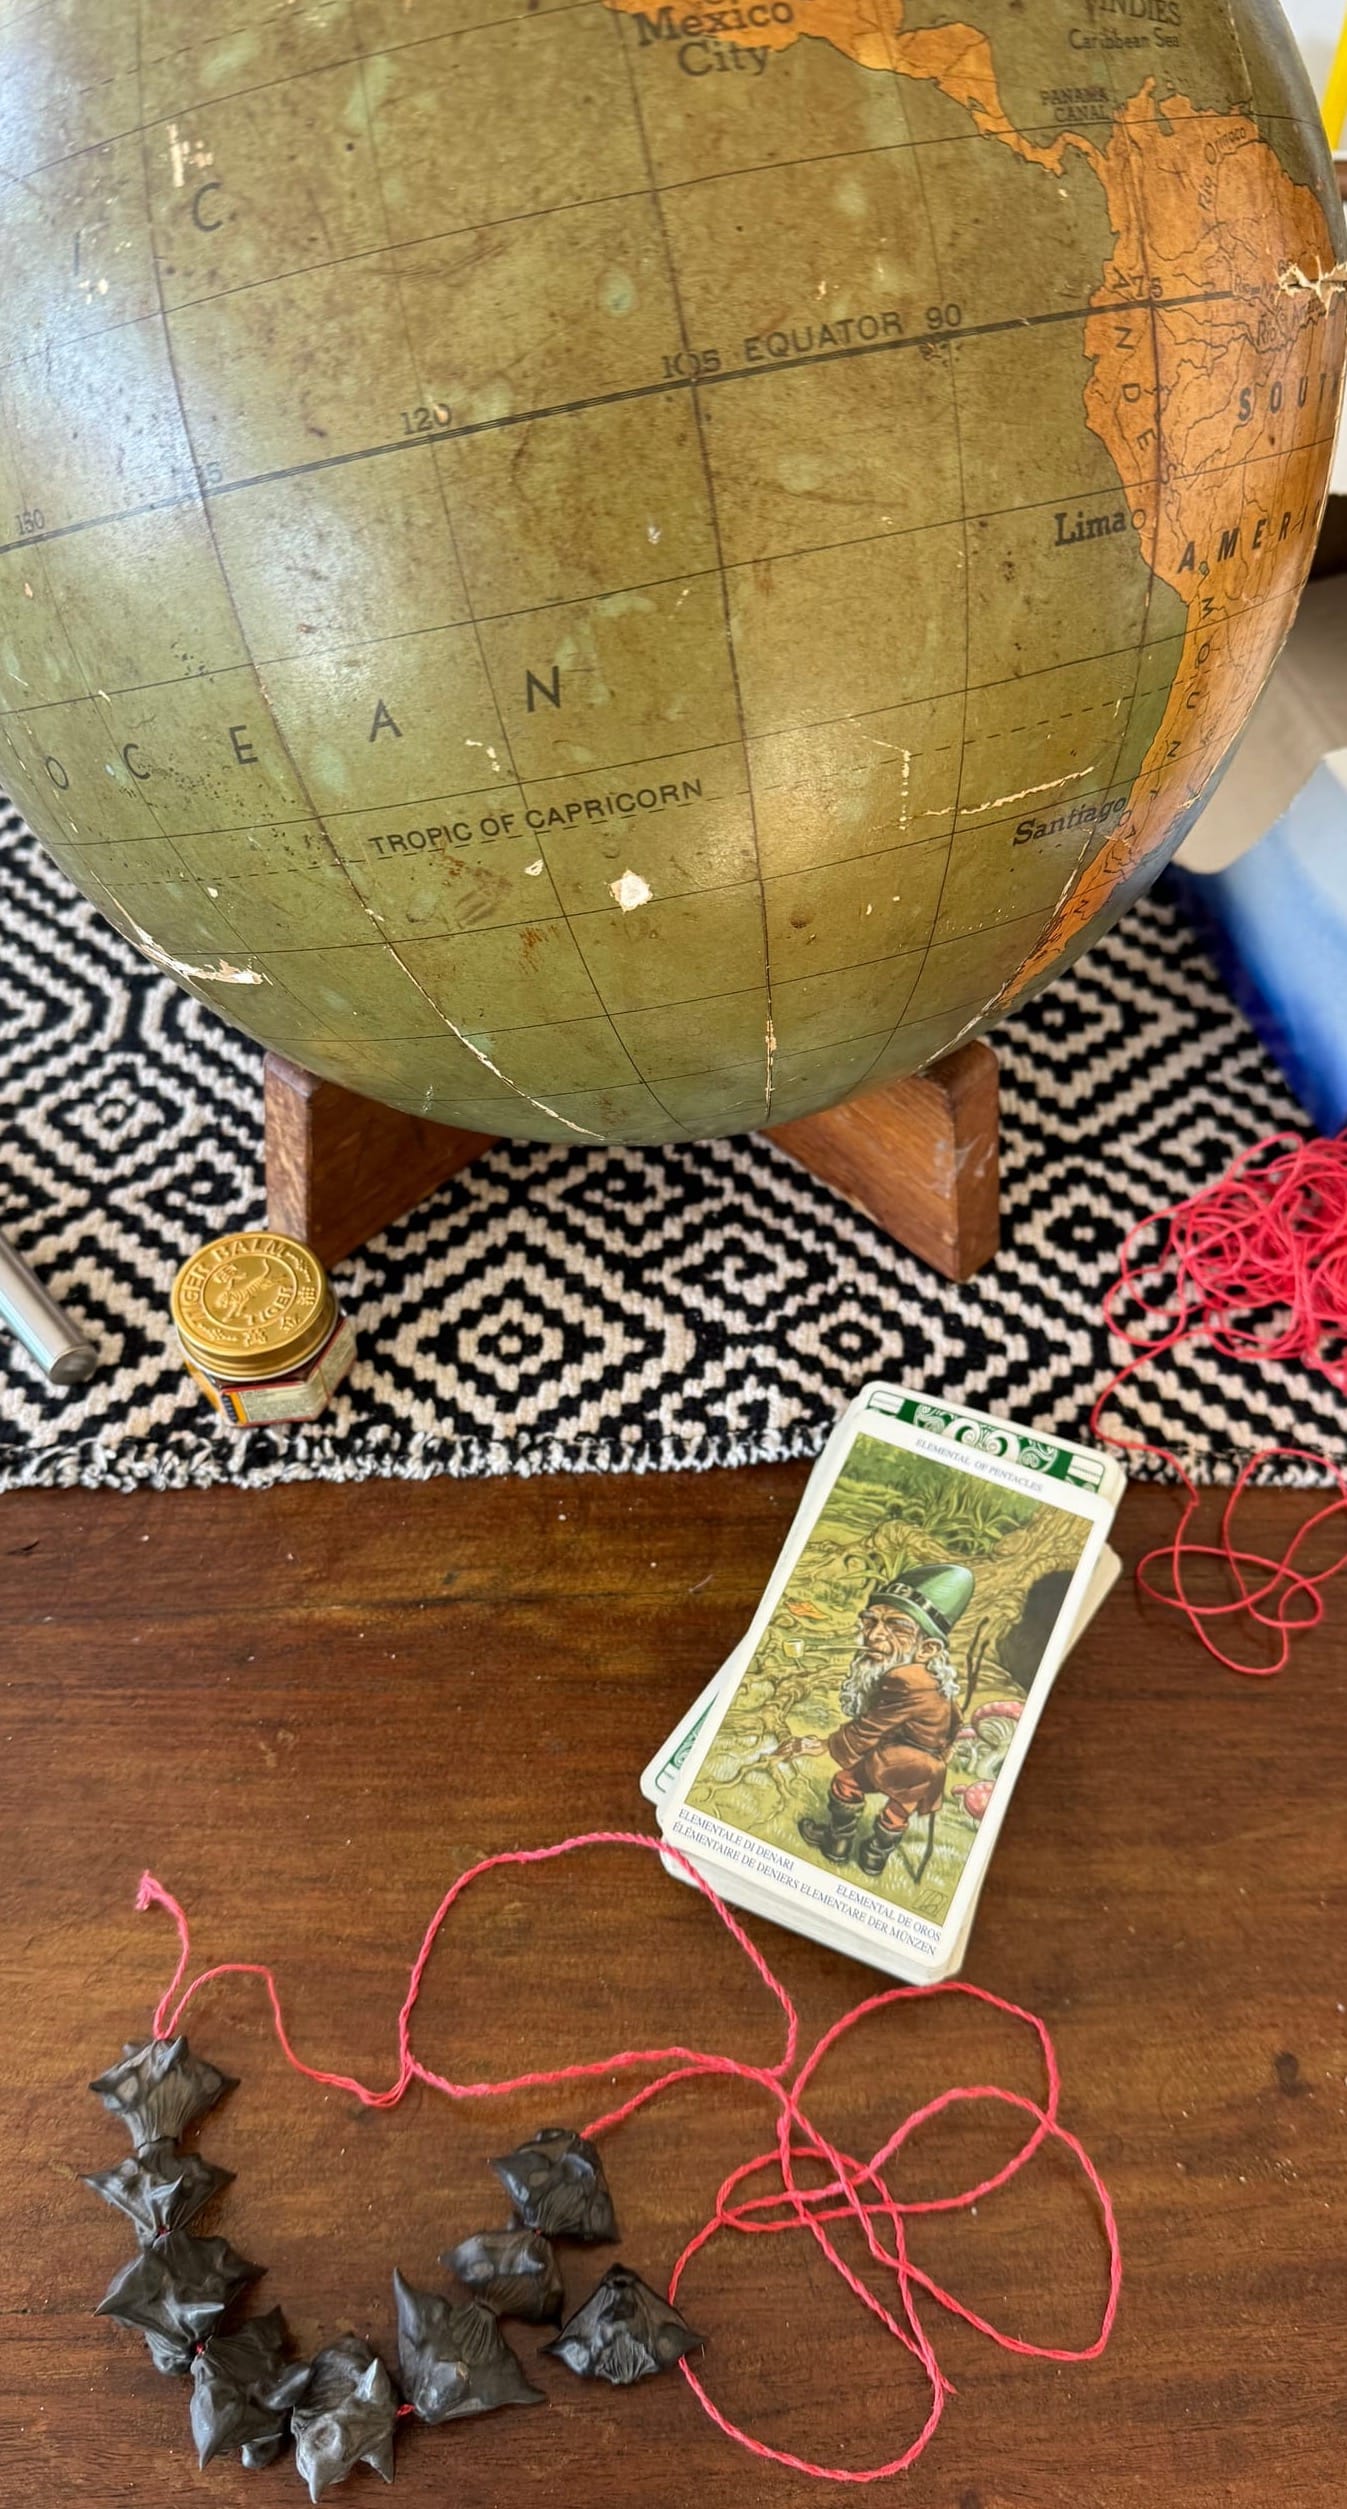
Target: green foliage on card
[[888, 1512], [964, 1519]]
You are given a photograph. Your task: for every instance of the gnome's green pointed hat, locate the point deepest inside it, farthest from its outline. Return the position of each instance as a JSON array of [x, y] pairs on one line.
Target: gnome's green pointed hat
[[935, 1597]]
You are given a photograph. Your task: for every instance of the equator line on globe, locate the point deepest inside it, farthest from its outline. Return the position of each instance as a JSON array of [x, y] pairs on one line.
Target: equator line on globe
[[618, 573]]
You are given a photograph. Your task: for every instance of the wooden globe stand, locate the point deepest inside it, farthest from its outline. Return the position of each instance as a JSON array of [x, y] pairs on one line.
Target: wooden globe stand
[[919, 1157]]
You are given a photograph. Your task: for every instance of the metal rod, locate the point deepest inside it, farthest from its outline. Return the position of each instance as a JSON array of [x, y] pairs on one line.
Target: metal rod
[[58, 1346]]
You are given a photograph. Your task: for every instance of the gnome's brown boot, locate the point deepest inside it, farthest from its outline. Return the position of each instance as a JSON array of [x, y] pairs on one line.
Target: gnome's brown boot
[[874, 1852], [835, 1836]]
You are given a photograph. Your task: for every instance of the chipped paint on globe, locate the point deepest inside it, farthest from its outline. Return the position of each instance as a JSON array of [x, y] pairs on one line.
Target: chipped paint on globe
[[602, 575]]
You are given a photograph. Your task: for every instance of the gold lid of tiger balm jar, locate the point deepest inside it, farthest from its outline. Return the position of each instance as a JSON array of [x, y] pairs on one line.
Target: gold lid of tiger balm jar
[[254, 1304]]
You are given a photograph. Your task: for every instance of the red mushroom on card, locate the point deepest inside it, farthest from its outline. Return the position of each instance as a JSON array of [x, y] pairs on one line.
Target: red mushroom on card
[[992, 1712], [973, 1800], [981, 1744]]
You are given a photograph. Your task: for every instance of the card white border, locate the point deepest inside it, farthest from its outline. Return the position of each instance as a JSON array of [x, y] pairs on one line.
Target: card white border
[[868, 1417]]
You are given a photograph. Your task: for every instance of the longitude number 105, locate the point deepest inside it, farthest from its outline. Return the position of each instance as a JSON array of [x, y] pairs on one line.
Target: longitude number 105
[[687, 364]]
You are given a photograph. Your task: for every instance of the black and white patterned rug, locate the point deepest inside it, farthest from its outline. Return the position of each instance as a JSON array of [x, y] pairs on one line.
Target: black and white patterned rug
[[559, 1310]]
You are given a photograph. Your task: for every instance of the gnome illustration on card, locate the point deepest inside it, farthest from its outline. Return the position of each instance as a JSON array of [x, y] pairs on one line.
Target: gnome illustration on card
[[900, 1703], [855, 1762]]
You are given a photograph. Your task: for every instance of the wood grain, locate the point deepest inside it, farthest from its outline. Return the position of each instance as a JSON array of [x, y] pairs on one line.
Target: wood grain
[[920, 1156], [340, 1167], [307, 1709]]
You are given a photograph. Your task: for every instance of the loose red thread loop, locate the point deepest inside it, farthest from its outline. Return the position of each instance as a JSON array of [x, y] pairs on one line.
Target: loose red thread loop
[[846, 2189], [1253, 1266]]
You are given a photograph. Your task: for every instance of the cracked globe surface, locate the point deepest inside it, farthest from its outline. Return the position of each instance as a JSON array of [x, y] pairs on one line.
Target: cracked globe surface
[[617, 573]]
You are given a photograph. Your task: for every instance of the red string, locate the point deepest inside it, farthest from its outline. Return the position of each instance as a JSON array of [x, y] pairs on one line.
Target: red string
[[1252, 1266], [847, 2189]]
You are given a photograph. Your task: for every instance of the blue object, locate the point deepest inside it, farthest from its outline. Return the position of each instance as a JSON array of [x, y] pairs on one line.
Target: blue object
[[1275, 922]]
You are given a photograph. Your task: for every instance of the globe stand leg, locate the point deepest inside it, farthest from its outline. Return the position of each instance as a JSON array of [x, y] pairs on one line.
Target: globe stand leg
[[342, 1167], [919, 1157]]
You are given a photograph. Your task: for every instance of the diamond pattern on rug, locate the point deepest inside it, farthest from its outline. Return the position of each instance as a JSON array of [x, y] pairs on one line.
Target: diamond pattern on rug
[[559, 1310]]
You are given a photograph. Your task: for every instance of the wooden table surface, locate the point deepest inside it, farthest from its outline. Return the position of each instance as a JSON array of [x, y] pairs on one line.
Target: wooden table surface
[[308, 1709]]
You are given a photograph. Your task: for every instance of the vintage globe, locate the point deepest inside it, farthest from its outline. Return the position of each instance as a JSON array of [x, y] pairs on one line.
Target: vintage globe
[[611, 572]]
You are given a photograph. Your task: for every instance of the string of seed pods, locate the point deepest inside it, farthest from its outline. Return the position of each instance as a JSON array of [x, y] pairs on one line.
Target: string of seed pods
[[342, 2408]]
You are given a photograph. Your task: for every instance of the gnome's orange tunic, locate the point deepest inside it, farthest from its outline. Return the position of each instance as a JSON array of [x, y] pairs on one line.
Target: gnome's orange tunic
[[900, 1743]]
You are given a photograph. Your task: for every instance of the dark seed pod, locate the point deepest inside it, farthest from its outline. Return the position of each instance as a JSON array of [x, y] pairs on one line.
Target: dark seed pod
[[242, 2391], [556, 2184], [159, 2188], [515, 2272], [453, 2358], [175, 2294], [345, 2416], [159, 2088], [624, 2331]]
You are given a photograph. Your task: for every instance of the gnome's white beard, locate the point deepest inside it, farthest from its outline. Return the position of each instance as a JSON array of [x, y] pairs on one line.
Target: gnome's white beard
[[946, 1678], [860, 1682]]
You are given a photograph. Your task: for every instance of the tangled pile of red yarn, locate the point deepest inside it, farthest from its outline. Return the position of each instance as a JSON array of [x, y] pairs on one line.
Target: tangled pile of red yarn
[[842, 2188], [1251, 1267]]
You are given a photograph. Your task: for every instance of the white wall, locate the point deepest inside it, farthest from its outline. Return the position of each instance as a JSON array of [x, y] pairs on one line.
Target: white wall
[[1316, 25]]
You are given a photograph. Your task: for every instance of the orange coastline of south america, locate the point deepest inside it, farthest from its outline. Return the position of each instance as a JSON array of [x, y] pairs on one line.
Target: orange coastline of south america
[[1218, 405]]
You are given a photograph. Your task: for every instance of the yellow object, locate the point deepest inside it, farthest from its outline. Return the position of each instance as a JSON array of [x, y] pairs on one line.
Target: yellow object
[[1335, 93], [260, 1328]]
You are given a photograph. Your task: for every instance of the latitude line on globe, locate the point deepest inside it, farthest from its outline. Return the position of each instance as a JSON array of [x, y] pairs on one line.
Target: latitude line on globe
[[1170, 219], [937, 341], [918, 845], [264, 86], [416, 801], [990, 513], [566, 601], [568, 8]]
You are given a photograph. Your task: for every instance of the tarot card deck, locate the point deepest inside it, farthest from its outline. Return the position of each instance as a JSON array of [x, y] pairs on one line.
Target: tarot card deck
[[848, 1769]]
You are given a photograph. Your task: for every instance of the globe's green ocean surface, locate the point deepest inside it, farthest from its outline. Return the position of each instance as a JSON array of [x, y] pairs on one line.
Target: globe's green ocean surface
[[620, 573]]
